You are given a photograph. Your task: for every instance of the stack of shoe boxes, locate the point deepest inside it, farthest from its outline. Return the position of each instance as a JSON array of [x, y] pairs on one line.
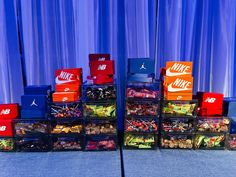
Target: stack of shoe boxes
[[142, 105], [8, 113], [32, 129], [211, 128], [66, 111], [178, 109], [99, 105]]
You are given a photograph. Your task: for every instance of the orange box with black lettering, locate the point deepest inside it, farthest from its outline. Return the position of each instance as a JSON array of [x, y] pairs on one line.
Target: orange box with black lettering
[[178, 84], [176, 68], [65, 96]]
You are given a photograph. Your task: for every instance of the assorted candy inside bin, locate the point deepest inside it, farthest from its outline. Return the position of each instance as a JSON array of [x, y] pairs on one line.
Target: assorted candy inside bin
[[176, 141], [97, 127], [182, 125], [139, 141], [67, 128], [66, 110], [232, 141], [96, 143], [141, 108], [6, 144], [100, 110], [141, 125], [210, 141], [67, 143], [100, 92]]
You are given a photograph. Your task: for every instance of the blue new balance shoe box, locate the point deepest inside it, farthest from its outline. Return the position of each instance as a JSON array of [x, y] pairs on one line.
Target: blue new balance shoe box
[[148, 78], [38, 90], [34, 102], [141, 66], [230, 107], [32, 114]]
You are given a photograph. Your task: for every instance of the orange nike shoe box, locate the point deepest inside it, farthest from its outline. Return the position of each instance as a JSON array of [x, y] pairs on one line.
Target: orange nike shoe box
[[178, 96], [178, 84], [68, 87], [176, 68], [69, 76], [65, 96]]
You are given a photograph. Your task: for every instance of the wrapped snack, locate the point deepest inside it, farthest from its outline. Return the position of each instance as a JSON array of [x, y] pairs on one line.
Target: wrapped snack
[[66, 110], [141, 93], [141, 109], [181, 109], [182, 125], [232, 141], [100, 93], [6, 144], [96, 128], [209, 141], [106, 110], [29, 127], [66, 143], [66, 128], [140, 125], [213, 125], [100, 144], [177, 141], [33, 144], [140, 141]]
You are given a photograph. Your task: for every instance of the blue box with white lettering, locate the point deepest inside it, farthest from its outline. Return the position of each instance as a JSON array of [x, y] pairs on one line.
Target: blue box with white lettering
[[230, 107], [32, 114], [34, 102], [147, 78], [141, 65], [38, 90]]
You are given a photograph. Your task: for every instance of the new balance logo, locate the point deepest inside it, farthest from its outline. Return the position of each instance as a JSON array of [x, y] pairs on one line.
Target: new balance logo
[[2, 128], [33, 103], [101, 58], [5, 112], [179, 69], [142, 67], [181, 84], [102, 67], [210, 100]]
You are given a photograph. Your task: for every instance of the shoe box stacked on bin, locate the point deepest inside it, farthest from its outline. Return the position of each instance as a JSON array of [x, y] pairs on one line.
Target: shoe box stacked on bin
[[31, 130], [67, 126], [179, 111], [8, 113], [212, 127], [99, 105], [142, 105]]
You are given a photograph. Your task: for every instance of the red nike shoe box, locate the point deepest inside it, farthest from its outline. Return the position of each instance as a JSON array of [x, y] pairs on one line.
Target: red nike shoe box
[[6, 128], [68, 87], [210, 100], [178, 84], [178, 96], [65, 96], [69, 76], [210, 111], [99, 57], [176, 68], [9, 111], [102, 67]]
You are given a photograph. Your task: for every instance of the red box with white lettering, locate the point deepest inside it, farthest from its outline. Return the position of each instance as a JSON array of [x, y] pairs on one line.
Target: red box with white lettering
[[69, 76], [99, 57], [9, 111], [65, 96], [102, 67], [6, 128], [68, 88]]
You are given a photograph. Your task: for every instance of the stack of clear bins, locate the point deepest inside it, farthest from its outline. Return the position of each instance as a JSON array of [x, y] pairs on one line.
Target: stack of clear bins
[[67, 129], [178, 124], [100, 120], [141, 115]]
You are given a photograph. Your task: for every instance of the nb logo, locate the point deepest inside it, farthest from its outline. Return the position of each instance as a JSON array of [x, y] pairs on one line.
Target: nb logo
[[3, 128], [142, 67], [5, 112], [210, 100], [33, 103], [102, 67]]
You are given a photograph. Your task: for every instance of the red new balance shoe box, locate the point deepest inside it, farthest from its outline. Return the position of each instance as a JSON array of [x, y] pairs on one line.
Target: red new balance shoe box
[[65, 96], [209, 111], [68, 88], [99, 57], [6, 128], [9, 111], [69, 76], [102, 67], [210, 99]]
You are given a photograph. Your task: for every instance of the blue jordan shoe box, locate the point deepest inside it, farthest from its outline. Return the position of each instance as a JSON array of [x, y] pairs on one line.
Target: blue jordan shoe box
[[32, 114], [148, 78], [141, 66], [233, 125], [230, 107], [38, 90], [34, 102]]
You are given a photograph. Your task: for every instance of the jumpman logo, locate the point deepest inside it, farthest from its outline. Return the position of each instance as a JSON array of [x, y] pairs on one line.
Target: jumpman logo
[[33, 103], [143, 67]]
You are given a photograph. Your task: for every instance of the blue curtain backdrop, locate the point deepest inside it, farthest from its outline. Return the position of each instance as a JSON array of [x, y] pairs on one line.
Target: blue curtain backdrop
[[61, 33]]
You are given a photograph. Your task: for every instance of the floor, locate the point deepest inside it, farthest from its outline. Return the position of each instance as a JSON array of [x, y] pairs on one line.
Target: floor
[[159, 163]]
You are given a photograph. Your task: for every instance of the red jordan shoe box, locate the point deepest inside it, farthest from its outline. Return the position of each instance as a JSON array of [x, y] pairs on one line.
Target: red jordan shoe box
[[6, 128], [65, 96], [9, 111], [102, 67], [68, 87], [69, 76]]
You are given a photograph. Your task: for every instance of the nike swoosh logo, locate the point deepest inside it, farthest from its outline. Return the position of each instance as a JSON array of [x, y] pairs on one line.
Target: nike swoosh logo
[[171, 89], [62, 82], [169, 73]]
